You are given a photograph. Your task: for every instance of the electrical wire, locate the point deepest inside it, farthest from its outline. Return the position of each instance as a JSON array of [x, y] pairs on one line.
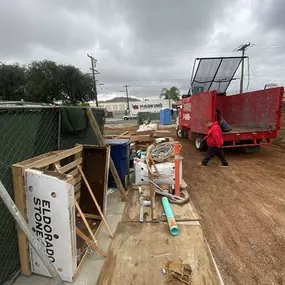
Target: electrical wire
[[255, 74], [162, 151]]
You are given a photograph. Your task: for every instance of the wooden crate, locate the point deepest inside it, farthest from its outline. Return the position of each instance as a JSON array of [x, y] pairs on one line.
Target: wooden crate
[[66, 162], [145, 136]]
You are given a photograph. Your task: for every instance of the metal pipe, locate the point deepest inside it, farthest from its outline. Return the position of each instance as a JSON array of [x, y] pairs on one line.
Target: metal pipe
[[35, 243], [177, 161], [59, 129], [142, 204]]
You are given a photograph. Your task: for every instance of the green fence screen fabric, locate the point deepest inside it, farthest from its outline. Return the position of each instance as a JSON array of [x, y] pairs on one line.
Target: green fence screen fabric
[[25, 133]]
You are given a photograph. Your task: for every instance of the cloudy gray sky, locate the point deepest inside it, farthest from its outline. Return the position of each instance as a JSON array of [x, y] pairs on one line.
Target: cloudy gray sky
[[148, 44]]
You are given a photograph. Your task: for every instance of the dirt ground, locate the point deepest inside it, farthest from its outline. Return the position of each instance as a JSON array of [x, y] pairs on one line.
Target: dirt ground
[[242, 210]]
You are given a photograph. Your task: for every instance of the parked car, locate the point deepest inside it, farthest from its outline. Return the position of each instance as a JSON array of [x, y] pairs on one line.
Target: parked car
[[130, 116]]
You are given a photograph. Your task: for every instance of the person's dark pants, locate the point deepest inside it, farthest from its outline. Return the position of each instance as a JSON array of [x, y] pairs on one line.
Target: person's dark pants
[[214, 151]]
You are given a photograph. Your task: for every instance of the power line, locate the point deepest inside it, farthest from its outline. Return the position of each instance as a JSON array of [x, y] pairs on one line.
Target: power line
[[145, 81]]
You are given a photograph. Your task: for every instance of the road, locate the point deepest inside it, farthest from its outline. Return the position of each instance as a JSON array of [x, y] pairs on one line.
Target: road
[[119, 121]]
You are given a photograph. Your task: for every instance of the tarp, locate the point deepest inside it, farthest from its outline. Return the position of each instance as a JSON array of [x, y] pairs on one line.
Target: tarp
[[215, 73], [73, 120]]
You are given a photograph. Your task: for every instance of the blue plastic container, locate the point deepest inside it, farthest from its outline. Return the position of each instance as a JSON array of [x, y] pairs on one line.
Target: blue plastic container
[[120, 153], [165, 116]]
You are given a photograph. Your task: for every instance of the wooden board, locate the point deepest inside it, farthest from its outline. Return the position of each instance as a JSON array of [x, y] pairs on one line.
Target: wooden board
[[138, 251], [131, 213], [95, 167]]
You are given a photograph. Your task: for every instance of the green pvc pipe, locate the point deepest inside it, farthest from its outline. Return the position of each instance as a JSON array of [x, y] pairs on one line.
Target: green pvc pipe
[[170, 217]]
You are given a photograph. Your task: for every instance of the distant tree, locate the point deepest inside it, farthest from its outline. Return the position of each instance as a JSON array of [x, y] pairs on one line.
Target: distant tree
[[43, 82], [170, 94], [75, 85], [12, 82]]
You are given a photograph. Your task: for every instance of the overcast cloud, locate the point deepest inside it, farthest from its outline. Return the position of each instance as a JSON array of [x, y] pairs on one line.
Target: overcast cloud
[[148, 44]]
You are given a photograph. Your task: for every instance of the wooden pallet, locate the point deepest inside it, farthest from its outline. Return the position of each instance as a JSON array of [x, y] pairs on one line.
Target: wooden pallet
[[65, 162]]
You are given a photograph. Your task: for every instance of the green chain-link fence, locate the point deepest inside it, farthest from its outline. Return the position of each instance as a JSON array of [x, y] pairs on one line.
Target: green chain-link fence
[[25, 133]]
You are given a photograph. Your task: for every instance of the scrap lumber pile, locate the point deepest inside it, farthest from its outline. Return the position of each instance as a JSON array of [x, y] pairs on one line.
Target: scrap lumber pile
[[61, 184], [153, 244]]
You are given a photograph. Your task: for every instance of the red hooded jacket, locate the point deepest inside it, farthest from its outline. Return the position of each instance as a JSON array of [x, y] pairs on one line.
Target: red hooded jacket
[[214, 136]]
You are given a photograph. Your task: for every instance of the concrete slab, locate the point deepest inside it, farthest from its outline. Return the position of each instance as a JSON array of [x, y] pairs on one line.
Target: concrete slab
[[90, 271]]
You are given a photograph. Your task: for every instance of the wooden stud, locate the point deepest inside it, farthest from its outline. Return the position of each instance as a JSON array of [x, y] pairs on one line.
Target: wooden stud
[[95, 201], [108, 155], [150, 162], [44, 161], [90, 242], [76, 179], [85, 221], [91, 216], [73, 172], [121, 135], [71, 165], [77, 196], [100, 138], [77, 187], [35, 158], [57, 166], [20, 199]]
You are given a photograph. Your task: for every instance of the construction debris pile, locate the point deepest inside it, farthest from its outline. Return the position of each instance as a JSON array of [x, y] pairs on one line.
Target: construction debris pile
[[157, 166]]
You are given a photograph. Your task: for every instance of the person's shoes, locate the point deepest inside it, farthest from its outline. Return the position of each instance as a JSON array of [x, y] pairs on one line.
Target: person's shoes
[[200, 164], [223, 165]]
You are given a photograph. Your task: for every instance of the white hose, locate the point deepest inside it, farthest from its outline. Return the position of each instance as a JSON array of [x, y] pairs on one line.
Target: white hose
[[162, 151]]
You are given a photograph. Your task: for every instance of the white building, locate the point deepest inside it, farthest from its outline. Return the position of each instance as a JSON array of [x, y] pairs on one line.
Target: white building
[[135, 106], [114, 106]]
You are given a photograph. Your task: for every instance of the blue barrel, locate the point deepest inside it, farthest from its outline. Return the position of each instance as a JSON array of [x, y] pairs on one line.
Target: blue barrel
[[120, 153], [165, 116]]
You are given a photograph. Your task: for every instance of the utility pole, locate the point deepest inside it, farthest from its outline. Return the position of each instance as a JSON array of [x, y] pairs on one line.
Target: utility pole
[[127, 94], [242, 48], [94, 72]]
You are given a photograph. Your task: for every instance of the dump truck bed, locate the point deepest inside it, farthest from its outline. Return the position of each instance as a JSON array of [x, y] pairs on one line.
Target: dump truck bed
[[245, 129], [254, 116]]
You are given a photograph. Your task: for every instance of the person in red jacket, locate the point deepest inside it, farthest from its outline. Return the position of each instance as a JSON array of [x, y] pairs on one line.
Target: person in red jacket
[[215, 142]]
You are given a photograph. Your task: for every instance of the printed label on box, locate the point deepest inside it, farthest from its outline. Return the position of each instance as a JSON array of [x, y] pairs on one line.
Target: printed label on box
[[51, 217]]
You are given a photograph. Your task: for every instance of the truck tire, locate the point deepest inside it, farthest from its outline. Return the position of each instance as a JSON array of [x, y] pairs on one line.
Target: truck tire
[[125, 119], [181, 134], [199, 143]]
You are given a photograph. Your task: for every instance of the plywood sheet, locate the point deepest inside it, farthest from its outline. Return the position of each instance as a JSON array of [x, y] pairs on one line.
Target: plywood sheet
[[95, 167], [184, 212], [139, 251]]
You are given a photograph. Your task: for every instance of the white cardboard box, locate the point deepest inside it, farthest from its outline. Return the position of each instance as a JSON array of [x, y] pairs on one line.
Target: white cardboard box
[[166, 172], [51, 217]]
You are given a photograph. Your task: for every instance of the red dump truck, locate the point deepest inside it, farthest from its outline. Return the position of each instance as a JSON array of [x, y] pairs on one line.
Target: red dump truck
[[254, 117]]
